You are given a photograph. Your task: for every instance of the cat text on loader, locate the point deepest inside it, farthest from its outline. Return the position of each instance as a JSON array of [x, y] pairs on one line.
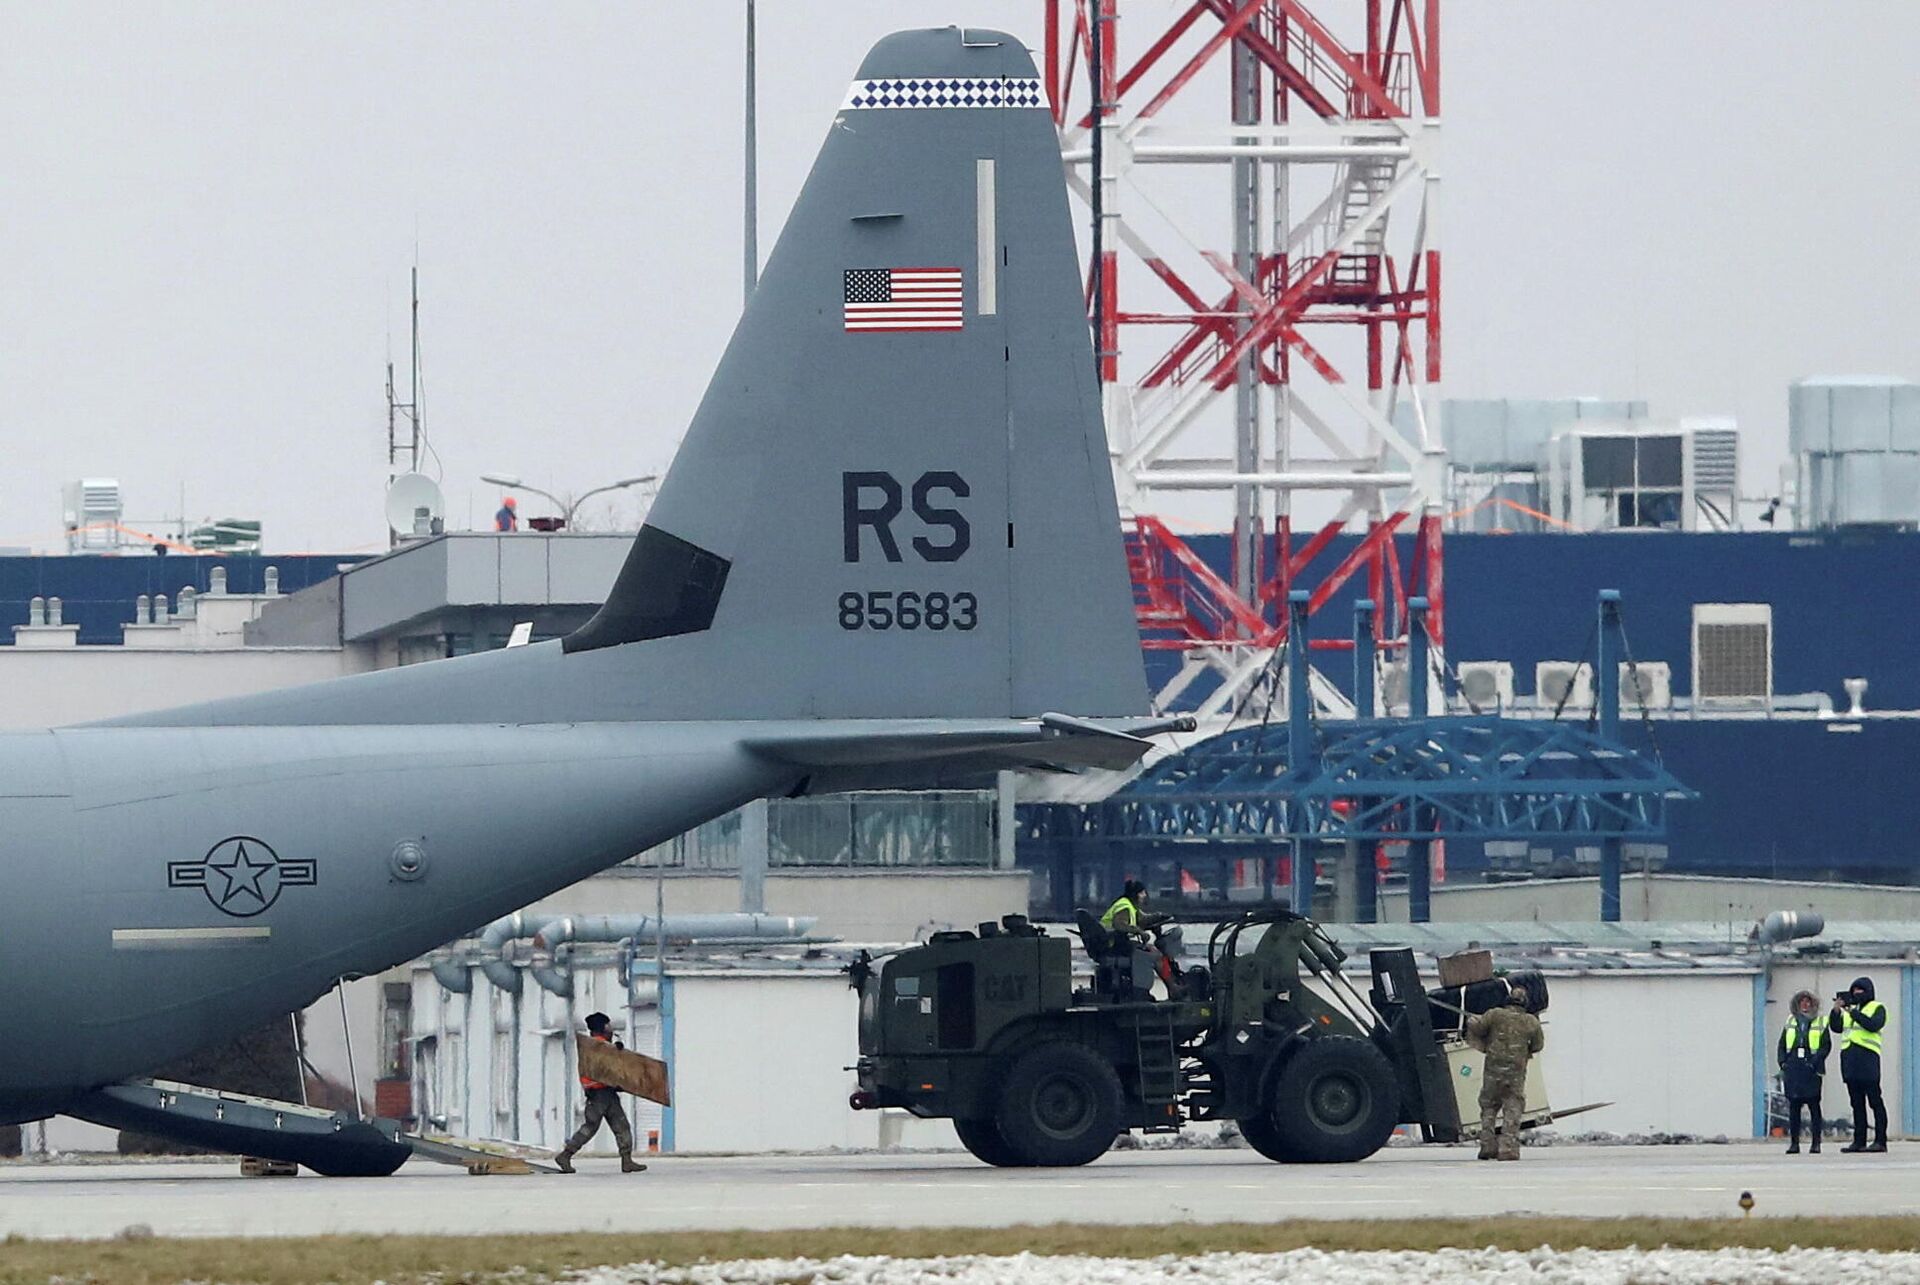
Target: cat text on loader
[[989, 1030]]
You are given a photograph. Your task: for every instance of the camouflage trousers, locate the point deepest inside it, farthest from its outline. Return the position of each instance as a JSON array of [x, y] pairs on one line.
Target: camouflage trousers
[[1503, 1096], [603, 1104]]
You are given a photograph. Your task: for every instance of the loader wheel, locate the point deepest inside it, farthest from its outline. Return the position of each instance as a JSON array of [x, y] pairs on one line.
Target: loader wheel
[[1262, 1137], [1333, 1102], [982, 1138], [1059, 1105]]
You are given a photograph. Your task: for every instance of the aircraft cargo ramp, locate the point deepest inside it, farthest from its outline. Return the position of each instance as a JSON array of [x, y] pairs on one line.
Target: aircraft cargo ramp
[[332, 1143]]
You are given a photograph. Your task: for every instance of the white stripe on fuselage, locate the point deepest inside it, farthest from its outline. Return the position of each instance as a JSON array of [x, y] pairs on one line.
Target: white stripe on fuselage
[[189, 938]]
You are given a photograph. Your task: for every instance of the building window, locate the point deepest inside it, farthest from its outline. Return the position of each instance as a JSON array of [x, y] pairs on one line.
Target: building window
[[1732, 654], [883, 828], [1641, 474], [396, 1030]]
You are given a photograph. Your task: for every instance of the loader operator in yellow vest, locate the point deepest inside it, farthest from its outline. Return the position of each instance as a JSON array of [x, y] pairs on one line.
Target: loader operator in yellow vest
[[1125, 916], [1860, 1022], [1127, 924]]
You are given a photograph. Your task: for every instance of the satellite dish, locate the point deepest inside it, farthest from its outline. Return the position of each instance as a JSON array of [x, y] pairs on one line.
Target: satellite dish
[[415, 506]]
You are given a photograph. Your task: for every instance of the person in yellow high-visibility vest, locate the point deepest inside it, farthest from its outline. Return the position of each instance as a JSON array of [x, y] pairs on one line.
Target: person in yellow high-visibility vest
[[1802, 1055], [1860, 1021], [1126, 916]]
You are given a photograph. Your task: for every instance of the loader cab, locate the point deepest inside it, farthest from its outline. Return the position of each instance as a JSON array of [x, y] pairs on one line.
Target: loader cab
[[958, 993]]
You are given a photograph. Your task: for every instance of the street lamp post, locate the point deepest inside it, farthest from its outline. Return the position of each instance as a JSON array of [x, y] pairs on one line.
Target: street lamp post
[[513, 483]]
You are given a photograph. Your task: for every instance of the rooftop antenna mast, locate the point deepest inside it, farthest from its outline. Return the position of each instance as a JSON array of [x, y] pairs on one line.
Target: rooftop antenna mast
[[403, 442]]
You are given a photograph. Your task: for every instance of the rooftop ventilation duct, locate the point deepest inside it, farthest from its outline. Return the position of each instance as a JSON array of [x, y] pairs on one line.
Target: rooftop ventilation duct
[[1789, 925]]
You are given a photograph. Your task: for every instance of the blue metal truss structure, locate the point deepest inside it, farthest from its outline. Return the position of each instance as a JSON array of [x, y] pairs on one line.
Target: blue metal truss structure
[[1385, 779], [1306, 784]]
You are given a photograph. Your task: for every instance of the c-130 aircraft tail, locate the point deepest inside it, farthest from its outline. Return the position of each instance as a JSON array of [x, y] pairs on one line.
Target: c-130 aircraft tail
[[886, 554], [895, 498]]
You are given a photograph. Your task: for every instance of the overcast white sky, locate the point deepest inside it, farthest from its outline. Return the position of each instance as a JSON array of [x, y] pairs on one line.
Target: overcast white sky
[[208, 211]]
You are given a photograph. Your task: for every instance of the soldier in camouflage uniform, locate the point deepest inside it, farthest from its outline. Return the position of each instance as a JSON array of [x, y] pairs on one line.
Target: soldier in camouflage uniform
[[1508, 1035]]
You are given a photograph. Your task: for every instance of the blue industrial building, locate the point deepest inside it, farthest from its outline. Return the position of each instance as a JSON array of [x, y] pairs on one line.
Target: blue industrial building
[[1845, 603], [1784, 794], [98, 593]]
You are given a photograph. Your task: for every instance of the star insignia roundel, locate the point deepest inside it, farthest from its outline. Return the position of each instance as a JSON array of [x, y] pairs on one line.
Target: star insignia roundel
[[241, 876]]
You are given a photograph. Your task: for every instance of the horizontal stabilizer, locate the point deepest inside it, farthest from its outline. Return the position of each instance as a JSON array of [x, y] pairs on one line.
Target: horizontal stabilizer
[[950, 750]]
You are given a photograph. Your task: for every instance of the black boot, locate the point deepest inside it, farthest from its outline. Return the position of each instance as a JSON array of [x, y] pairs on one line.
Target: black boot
[[1815, 1148], [563, 1160], [1878, 1146], [1793, 1148]]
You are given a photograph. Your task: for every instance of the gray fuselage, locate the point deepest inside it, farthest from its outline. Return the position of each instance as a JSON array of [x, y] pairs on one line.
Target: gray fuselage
[[122, 948]]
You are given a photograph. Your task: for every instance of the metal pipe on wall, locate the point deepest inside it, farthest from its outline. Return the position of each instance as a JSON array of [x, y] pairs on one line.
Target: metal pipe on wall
[[452, 975], [495, 940], [554, 941]]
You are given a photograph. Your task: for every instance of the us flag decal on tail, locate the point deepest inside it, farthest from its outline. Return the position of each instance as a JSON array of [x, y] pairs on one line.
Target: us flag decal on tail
[[903, 299]]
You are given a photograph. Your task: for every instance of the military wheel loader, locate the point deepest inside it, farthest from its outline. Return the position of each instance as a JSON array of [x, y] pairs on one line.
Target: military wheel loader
[[989, 1029]]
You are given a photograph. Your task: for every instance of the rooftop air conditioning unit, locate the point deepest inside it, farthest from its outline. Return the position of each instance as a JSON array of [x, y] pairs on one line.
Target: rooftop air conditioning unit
[[1394, 701], [90, 510], [1486, 685], [1563, 684], [1654, 689], [1732, 655]]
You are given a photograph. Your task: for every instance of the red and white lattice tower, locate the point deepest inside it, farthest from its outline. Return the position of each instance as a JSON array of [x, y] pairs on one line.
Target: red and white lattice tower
[[1303, 327]]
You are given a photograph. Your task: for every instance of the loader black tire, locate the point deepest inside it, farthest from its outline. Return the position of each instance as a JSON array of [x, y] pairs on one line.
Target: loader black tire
[[982, 1138], [1334, 1101], [1260, 1135], [1060, 1105]]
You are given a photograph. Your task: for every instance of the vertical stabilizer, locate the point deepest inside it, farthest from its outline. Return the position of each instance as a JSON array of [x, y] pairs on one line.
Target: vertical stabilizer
[[895, 497]]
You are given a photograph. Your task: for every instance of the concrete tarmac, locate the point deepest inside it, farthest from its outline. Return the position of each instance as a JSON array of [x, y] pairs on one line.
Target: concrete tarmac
[[926, 1190]]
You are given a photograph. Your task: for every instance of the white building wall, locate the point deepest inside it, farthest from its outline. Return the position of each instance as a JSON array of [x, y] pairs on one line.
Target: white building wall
[[1738, 903], [80, 684], [758, 1064], [758, 1059], [1672, 1052], [853, 905]]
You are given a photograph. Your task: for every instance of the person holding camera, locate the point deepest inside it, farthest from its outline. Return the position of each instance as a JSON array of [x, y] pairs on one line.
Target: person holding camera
[[1860, 1021]]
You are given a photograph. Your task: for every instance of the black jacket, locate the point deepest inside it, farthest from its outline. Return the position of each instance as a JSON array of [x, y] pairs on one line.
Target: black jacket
[[1858, 1065], [1802, 1066]]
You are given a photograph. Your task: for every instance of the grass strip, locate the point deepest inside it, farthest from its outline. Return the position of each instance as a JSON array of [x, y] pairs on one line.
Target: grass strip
[[354, 1260]]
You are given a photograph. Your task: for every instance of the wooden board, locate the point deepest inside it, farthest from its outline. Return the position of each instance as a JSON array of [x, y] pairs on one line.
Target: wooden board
[[495, 1165], [636, 1073], [1466, 968], [256, 1167]]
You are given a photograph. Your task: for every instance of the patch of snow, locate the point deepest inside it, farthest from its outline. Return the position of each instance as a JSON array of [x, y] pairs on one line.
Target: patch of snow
[[1543, 1266]]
